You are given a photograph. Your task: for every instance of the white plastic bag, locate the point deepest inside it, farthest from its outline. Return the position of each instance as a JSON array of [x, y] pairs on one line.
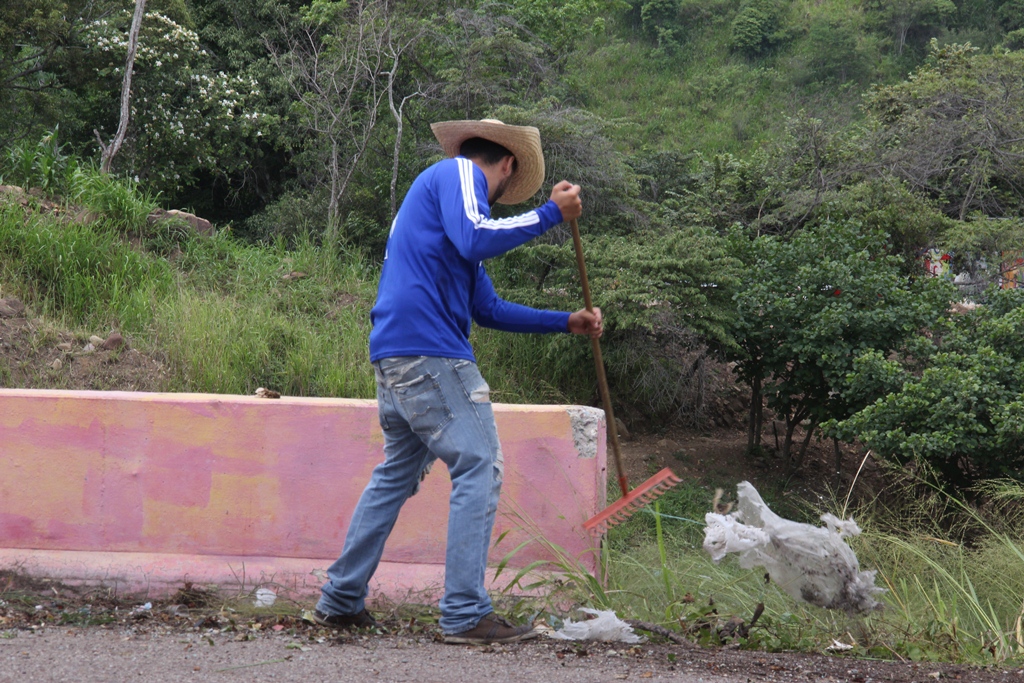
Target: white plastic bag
[[264, 597], [810, 563], [604, 626]]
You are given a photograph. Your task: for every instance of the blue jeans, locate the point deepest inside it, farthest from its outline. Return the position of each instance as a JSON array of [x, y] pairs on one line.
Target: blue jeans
[[430, 408]]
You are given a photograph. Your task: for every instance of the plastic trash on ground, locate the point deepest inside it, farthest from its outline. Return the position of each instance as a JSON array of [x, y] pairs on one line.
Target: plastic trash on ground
[[265, 597], [604, 626], [810, 563]]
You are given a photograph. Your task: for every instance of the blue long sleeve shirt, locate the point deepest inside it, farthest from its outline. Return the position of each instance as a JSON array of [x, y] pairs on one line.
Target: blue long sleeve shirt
[[433, 283]]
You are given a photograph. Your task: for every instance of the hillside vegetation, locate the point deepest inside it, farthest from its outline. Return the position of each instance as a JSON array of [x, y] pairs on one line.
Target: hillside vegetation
[[762, 179]]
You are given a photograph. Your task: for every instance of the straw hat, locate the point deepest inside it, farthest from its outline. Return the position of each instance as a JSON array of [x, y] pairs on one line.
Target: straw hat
[[522, 141]]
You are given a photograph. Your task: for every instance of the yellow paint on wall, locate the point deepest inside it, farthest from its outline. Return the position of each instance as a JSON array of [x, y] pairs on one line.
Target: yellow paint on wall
[[25, 469], [541, 424], [246, 440], [241, 509]]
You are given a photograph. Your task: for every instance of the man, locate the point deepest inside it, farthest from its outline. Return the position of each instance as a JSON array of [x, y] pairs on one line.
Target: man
[[432, 401]]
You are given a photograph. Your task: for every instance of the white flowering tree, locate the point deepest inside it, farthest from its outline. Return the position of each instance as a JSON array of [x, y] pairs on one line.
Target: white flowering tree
[[184, 115]]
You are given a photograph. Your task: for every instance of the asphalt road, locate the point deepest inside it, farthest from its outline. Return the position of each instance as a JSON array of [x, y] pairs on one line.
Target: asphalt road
[[87, 655]]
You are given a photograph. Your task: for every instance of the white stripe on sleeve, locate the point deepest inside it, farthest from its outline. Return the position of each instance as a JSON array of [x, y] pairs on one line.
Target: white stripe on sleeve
[[470, 206]]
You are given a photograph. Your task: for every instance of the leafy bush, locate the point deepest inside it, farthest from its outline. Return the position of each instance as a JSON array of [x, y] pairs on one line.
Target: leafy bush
[[962, 415], [1014, 40], [812, 303], [756, 29], [291, 215], [954, 130], [660, 22], [833, 51], [1011, 14]]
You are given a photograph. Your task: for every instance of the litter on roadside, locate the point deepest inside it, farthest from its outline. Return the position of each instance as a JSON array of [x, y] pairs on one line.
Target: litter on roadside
[[604, 625], [264, 597], [810, 563]]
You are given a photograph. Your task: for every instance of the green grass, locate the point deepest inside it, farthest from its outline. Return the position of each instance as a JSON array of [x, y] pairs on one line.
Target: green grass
[[82, 271], [704, 99], [947, 600]]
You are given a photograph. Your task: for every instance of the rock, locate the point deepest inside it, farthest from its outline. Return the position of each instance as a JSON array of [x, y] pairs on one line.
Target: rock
[[64, 346], [13, 193], [95, 340], [112, 343], [667, 446], [57, 364], [11, 307], [83, 216], [88, 348], [200, 225], [177, 610], [294, 275], [34, 198]]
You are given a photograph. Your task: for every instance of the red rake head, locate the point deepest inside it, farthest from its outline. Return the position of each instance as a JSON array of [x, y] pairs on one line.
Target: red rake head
[[624, 507]]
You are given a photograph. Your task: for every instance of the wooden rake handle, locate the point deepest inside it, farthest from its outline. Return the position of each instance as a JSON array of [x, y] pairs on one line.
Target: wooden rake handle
[[602, 380]]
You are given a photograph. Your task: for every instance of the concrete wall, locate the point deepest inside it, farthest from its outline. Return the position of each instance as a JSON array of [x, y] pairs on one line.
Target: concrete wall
[[148, 490]]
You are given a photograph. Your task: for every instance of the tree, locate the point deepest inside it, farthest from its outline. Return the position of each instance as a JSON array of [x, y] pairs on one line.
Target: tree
[[961, 414], [34, 35], [235, 33], [548, 19], [485, 58], [809, 305], [184, 114], [833, 50], [337, 69], [757, 27], [111, 150], [954, 131], [914, 21]]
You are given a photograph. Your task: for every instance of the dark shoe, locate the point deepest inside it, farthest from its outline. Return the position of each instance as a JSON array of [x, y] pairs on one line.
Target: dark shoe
[[343, 621], [492, 629]]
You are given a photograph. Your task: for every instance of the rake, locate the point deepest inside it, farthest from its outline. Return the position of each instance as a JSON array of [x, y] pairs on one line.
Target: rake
[[645, 493]]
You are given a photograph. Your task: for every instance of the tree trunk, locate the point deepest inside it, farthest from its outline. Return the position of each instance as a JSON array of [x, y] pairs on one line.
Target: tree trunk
[[394, 162], [803, 446], [839, 461], [792, 422], [787, 443], [110, 151], [396, 112], [901, 37], [333, 222], [754, 426]]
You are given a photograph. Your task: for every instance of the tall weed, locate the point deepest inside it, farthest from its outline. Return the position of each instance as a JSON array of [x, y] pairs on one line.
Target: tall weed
[[42, 165], [118, 201], [82, 271], [239, 324]]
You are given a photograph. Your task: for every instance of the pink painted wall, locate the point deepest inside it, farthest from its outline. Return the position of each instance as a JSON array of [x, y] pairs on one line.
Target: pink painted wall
[[236, 476]]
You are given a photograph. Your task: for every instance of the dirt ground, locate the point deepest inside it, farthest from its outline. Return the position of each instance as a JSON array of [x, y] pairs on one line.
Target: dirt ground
[[49, 632]]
